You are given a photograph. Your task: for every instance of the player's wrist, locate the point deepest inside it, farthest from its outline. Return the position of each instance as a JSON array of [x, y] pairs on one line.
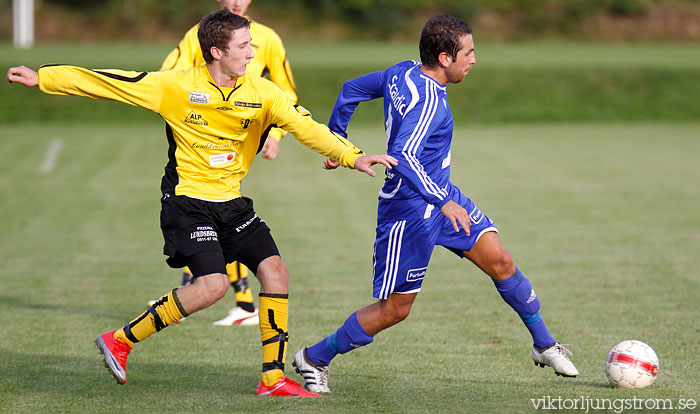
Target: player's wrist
[[351, 159], [442, 202]]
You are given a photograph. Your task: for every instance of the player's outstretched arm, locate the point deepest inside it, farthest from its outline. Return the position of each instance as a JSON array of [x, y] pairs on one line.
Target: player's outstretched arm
[[364, 163], [23, 75]]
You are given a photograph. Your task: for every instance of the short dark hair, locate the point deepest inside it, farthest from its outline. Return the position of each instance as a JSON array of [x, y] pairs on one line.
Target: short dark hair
[[215, 30], [442, 33]]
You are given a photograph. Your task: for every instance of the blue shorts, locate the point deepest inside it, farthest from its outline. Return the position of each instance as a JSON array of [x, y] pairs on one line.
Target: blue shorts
[[403, 248]]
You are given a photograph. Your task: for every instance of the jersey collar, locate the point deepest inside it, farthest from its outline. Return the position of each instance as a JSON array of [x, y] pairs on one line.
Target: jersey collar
[[225, 92]]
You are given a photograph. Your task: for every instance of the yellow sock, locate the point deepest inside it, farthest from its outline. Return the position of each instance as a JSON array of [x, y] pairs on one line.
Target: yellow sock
[[244, 297], [235, 270], [164, 312], [274, 311], [238, 277]]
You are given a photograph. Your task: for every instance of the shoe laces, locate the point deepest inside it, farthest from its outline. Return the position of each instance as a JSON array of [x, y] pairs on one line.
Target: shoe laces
[[562, 349], [324, 376], [291, 381]]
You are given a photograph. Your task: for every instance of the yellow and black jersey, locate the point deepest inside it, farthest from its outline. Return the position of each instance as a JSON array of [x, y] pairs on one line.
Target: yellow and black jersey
[[270, 58], [213, 133]]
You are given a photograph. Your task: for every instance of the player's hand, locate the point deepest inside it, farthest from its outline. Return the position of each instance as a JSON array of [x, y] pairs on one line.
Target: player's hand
[[366, 161], [270, 149], [23, 75], [457, 215], [331, 164]]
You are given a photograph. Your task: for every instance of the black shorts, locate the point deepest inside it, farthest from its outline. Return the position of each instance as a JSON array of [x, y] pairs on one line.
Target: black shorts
[[191, 226]]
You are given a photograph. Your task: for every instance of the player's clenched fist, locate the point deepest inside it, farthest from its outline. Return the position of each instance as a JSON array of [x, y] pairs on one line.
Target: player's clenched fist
[[23, 75]]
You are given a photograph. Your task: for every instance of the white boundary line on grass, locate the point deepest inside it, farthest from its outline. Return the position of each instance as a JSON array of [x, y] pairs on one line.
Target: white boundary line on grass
[[51, 158]]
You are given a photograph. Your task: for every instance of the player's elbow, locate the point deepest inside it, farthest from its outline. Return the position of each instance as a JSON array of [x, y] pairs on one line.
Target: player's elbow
[[349, 89]]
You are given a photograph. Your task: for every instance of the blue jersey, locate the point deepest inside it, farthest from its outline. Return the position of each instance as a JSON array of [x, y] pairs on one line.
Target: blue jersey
[[418, 124]]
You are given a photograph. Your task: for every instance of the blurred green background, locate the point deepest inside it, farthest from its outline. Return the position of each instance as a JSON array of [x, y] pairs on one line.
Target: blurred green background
[[374, 19], [537, 61], [518, 82]]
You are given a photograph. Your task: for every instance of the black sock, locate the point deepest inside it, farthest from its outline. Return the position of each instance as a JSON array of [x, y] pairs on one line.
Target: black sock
[[246, 306]]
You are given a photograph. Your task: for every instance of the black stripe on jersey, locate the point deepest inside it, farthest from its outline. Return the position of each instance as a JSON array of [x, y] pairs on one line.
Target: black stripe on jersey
[[338, 137], [122, 78], [224, 97], [358, 151], [53, 64], [170, 178], [263, 138]]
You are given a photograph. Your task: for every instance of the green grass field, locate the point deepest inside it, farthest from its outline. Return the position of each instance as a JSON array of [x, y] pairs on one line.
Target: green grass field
[[603, 218], [584, 155]]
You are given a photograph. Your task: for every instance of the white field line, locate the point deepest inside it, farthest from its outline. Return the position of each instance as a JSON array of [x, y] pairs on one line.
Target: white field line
[[51, 158]]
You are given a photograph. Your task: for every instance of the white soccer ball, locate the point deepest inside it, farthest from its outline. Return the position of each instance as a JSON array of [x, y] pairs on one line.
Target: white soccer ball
[[632, 365]]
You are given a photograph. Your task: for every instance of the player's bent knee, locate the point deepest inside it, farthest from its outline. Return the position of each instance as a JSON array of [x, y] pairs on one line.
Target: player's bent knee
[[394, 313], [402, 313], [273, 275], [395, 318], [213, 287], [502, 265]]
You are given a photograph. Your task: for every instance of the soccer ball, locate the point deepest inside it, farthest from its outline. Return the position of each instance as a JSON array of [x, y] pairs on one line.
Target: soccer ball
[[632, 365]]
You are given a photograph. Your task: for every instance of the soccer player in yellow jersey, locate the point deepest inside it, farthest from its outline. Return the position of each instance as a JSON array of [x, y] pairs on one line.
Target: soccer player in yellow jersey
[[217, 120], [271, 59]]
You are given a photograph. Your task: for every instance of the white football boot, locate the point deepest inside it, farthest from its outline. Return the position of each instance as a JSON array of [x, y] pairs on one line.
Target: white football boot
[[315, 376], [239, 316], [557, 357]]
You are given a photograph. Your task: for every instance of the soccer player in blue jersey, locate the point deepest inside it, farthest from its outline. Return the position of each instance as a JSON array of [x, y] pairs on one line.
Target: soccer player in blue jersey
[[419, 207]]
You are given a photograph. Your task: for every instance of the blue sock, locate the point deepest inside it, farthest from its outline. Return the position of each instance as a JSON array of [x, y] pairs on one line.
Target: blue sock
[[517, 291], [349, 336]]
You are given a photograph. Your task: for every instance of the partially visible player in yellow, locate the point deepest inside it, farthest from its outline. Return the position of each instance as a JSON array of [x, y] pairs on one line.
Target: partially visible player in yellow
[[271, 60]]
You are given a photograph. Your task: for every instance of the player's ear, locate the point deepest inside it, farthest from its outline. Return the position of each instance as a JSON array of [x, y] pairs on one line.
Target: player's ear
[[444, 59], [216, 53]]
